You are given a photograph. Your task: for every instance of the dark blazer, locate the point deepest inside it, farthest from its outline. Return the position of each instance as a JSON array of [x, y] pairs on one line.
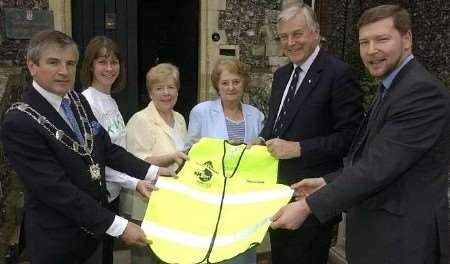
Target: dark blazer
[[395, 183], [64, 213], [326, 113]]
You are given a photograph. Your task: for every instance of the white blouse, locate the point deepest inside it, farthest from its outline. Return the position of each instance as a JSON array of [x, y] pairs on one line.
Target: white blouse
[[108, 115]]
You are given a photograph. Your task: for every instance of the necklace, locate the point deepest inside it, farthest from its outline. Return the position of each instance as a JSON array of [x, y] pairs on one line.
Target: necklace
[[85, 149]]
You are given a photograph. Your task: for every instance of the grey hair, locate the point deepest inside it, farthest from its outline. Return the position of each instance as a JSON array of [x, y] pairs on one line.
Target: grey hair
[[300, 8], [44, 39]]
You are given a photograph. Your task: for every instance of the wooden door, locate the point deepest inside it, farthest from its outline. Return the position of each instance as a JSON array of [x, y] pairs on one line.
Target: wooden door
[[168, 32], [148, 32]]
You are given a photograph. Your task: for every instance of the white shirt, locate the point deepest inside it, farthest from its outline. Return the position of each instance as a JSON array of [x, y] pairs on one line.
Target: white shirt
[[108, 115], [119, 224], [179, 143], [305, 67]]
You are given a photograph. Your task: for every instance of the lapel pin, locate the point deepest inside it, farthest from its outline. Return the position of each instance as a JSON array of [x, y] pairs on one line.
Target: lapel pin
[[309, 81]]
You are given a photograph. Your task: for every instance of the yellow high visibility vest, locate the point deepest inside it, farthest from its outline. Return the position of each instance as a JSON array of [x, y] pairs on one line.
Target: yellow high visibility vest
[[220, 205]]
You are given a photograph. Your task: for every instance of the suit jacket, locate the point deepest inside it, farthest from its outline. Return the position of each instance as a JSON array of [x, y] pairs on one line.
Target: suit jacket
[[395, 183], [208, 120], [326, 113], [64, 216]]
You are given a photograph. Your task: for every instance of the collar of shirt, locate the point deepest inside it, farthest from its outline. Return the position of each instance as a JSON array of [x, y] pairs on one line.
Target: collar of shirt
[[388, 80], [305, 67], [99, 93], [53, 99], [99, 99], [309, 61]]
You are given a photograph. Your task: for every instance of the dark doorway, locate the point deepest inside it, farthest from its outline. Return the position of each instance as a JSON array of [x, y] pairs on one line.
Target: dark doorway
[[168, 32], [148, 32]]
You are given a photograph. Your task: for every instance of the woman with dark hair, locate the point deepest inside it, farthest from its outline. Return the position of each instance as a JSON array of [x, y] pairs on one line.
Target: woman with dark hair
[[103, 72]]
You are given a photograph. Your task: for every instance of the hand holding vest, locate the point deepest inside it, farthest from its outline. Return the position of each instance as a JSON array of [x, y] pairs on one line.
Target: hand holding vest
[[219, 206]]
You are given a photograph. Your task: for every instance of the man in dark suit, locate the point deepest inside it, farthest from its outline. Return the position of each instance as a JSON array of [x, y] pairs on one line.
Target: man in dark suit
[[394, 183], [314, 110], [60, 152]]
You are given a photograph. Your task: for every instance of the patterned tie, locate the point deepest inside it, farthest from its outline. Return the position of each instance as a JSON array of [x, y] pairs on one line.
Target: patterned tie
[[279, 124], [65, 105]]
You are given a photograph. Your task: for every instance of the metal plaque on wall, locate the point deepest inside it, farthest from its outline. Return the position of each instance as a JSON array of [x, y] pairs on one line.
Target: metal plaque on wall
[[23, 23]]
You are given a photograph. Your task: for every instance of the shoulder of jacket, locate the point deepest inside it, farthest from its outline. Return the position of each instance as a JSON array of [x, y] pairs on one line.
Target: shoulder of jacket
[[203, 106], [250, 108], [136, 117], [284, 68], [335, 62], [178, 116]]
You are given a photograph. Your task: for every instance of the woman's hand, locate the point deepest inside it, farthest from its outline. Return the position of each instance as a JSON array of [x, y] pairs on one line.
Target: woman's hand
[[168, 159], [179, 157], [163, 171], [145, 188]]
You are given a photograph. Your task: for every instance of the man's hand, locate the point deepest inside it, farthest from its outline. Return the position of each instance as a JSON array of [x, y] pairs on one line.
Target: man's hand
[[145, 188], [235, 142], [283, 149], [133, 234], [179, 157], [306, 187], [163, 171], [291, 216], [255, 141]]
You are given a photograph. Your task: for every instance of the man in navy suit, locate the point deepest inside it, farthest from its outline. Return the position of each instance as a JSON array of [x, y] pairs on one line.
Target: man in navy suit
[[60, 152], [314, 110], [394, 183]]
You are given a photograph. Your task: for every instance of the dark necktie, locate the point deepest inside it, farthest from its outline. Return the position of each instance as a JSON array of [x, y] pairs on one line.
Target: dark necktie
[[288, 100], [363, 130], [65, 105], [378, 100]]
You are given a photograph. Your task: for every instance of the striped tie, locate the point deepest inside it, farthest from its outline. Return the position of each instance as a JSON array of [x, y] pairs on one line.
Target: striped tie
[[279, 124]]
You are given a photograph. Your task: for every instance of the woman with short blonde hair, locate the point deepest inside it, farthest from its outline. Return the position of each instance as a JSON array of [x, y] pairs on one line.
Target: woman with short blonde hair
[[157, 134]]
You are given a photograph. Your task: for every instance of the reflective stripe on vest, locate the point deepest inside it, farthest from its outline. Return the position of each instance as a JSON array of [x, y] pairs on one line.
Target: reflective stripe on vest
[[220, 205]]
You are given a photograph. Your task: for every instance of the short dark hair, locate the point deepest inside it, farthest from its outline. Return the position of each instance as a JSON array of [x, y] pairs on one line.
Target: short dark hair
[[93, 51], [401, 17], [46, 38], [234, 66]]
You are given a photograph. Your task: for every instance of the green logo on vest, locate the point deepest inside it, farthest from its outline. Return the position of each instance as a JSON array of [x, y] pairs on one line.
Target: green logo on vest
[[206, 173]]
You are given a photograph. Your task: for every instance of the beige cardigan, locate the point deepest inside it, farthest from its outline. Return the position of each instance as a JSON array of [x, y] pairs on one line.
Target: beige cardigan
[[149, 135]]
